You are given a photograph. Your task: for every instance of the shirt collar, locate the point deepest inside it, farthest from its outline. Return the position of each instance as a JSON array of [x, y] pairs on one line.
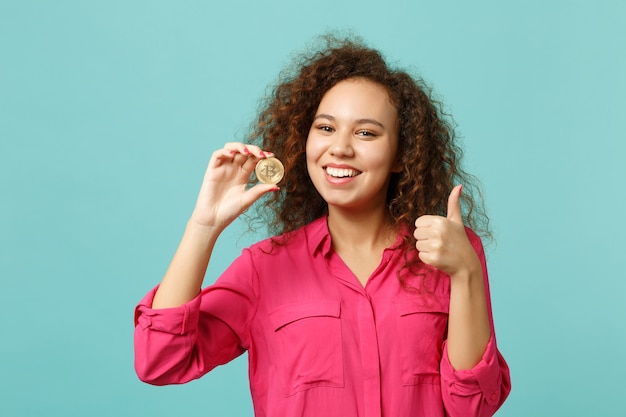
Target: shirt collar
[[318, 236]]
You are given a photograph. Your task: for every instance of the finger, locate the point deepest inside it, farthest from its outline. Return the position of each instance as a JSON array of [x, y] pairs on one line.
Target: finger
[[454, 205], [235, 155], [431, 244], [220, 156], [250, 163], [247, 149], [422, 233], [252, 160], [256, 192], [427, 258], [234, 146], [422, 246], [253, 150], [425, 220]]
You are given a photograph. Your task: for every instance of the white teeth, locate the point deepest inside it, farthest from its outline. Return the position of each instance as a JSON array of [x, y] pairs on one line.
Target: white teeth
[[341, 172]]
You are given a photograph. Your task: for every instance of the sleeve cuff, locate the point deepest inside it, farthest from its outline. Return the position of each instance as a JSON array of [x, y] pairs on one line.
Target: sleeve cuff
[[484, 377], [175, 320]]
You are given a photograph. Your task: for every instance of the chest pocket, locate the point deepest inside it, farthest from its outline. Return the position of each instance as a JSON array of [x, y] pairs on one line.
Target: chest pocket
[[308, 336], [422, 327]]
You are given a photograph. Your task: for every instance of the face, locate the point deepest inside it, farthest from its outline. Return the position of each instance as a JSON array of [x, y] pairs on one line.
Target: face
[[351, 149]]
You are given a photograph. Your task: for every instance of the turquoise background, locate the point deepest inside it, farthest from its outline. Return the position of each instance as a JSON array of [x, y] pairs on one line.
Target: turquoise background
[[109, 111]]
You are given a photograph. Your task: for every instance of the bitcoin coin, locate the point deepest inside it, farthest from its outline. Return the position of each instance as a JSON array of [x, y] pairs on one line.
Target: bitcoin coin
[[269, 170]]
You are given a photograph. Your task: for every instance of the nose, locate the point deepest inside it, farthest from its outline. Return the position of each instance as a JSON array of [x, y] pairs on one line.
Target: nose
[[341, 145]]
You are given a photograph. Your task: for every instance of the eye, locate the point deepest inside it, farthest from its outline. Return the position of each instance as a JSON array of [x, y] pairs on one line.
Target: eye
[[366, 133], [326, 128]]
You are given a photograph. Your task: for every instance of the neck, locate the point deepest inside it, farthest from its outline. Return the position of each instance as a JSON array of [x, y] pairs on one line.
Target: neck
[[369, 230]]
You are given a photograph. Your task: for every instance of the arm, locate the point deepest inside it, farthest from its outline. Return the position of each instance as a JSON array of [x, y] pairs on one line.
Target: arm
[[222, 198], [469, 328], [481, 390], [442, 242], [474, 376], [180, 334], [175, 345]]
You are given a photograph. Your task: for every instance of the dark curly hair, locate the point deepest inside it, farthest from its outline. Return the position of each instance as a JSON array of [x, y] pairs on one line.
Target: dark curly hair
[[430, 156]]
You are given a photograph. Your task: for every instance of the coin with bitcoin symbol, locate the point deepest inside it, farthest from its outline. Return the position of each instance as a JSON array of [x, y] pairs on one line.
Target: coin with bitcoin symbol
[[269, 170]]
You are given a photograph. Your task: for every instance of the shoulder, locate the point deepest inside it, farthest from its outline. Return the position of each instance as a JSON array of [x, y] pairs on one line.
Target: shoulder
[[306, 238]]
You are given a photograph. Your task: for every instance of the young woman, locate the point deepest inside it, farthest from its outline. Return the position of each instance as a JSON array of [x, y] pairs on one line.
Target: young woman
[[372, 298]]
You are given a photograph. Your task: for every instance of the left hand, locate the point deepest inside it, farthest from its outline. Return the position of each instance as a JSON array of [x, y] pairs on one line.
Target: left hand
[[442, 241]]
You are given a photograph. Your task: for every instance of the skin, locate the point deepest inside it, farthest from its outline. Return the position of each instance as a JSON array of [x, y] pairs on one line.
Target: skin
[[443, 243], [222, 198], [355, 132]]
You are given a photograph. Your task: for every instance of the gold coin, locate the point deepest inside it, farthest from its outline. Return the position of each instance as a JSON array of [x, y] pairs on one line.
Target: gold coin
[[269, 170]]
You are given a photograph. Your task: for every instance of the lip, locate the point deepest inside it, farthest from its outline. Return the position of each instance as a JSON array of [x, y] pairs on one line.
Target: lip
[[340, 180], [335, 165]]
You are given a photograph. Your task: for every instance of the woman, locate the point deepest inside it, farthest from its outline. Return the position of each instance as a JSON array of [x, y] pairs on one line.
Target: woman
[[372, 299]]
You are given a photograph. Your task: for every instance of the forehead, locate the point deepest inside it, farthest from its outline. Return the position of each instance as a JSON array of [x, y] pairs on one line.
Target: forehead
[[358, 95]]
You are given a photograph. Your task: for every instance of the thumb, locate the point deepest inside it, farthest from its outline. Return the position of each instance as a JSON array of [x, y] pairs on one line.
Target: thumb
[[454, 205], [256, 192]]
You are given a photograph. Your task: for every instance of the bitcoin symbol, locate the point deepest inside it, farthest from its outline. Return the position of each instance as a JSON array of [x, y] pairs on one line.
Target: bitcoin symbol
[[269, 170]]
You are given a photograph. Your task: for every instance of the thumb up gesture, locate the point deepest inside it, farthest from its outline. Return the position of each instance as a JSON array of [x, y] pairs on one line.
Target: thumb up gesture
[[442, 241]]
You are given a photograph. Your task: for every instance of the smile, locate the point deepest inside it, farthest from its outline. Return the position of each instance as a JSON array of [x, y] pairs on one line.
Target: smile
[[341, 172]]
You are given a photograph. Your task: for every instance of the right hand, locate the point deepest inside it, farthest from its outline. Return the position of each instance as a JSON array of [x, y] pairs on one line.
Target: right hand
[[223, 195]]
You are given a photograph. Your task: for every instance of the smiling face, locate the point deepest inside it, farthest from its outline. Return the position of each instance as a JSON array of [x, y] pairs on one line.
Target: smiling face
[[351, 149]]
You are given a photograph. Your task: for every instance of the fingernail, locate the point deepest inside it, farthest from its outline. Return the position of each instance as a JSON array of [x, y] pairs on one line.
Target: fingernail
[[246, 151], [263, 154]]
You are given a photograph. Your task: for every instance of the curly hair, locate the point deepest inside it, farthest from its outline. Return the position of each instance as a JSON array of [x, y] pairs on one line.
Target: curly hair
[[430, 156]]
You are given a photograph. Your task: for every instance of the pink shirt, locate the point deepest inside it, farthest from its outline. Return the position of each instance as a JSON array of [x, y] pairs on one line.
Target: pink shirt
[[318, 342]]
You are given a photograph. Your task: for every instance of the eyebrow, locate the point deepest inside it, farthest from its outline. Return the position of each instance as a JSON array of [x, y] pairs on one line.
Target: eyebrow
[[359, 121]]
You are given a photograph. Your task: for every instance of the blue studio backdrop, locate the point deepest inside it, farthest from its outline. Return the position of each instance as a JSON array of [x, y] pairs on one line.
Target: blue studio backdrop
[[110, 110]]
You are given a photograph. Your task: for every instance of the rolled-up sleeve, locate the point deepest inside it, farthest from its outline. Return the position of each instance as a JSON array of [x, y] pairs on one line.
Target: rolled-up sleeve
[[479, 391], [177, 345]]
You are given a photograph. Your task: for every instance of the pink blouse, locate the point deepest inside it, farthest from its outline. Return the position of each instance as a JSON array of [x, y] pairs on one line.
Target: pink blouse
[[318, 342]]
